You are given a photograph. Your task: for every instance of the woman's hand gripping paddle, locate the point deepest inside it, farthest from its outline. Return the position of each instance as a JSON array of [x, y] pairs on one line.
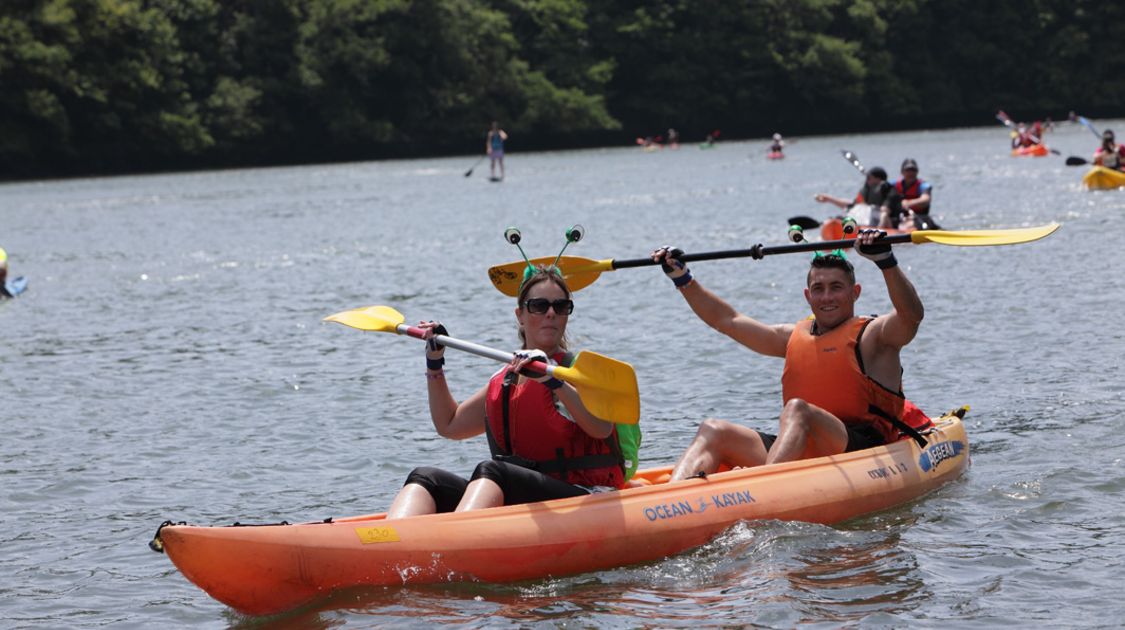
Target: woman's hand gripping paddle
[[607, 387]]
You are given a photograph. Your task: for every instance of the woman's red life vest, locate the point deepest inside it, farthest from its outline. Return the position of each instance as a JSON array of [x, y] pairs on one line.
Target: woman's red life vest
[[827, 371], [526, 426]]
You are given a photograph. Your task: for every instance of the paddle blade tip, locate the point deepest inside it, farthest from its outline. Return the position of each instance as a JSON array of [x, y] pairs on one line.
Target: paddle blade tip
[[507, 278], [612, 392], [374, 318]]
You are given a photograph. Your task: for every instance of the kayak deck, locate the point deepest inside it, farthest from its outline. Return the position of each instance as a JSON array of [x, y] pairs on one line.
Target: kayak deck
[[1102, 178], [1035, 150], [268, 569]]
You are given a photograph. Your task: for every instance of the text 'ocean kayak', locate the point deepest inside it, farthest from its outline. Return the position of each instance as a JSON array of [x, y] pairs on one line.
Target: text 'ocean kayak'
[[266, 569]]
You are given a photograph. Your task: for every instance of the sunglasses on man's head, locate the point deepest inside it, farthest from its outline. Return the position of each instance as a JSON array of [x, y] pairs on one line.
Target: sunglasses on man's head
[[539, 306]]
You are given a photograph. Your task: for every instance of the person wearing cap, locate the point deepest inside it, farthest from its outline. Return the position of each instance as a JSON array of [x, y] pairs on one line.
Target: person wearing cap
[[1110, 154], [908, 203], [874, 192], [842, 379]]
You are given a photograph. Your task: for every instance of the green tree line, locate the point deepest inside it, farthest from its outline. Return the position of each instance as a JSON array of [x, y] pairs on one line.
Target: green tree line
[[93, 86]]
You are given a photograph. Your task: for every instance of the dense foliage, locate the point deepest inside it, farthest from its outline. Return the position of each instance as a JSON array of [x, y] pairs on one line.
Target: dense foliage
[[115, 85]]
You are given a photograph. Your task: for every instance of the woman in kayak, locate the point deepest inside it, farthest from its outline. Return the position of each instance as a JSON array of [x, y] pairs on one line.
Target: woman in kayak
[[545, 443], [874, 192], [1110, 154]]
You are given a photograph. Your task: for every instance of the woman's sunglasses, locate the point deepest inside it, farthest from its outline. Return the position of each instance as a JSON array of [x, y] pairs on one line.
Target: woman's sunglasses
[[539, 306]]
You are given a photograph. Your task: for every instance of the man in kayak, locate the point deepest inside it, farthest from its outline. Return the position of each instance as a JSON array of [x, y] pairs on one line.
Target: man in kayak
[[545, 444], [874, 192], [908, 201], [1110, 154], [842, 380], [494, 147]]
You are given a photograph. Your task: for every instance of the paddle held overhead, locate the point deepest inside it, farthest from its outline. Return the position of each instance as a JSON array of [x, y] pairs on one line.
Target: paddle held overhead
[[582, 272], [607, 387]]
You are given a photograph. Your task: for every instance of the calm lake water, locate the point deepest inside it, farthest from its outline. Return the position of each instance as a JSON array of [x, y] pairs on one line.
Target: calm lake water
[[169, 362]]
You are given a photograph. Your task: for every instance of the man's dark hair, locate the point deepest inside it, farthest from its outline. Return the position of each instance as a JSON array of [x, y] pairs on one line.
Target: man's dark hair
[[831, 261]]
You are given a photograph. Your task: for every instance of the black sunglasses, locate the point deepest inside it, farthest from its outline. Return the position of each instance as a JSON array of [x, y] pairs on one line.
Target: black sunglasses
[[539, 306]]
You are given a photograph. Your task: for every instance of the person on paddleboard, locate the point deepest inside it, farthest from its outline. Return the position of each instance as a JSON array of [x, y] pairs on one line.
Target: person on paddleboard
[[875, 191], [842, 380], [545, 443], [1110, 154], [494, 147], [908, 202]]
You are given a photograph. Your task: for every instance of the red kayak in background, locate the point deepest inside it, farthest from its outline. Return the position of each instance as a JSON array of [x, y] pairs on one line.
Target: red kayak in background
[[1035, 150]]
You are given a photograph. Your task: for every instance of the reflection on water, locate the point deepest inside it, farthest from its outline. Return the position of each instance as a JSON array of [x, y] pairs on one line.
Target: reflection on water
[[848, 582]]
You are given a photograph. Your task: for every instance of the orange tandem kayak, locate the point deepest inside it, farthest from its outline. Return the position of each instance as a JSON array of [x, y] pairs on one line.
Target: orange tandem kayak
[[1035, 150], [266, 569]]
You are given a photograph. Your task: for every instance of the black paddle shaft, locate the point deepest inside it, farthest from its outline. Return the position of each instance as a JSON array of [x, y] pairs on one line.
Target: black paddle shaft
[[759, 251]]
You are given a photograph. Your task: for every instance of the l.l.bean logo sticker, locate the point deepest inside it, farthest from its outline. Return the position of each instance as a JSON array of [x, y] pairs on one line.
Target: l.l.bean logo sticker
[[372, 535]]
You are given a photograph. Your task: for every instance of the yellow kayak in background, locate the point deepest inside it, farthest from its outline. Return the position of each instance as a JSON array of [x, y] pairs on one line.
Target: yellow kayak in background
[[1102, 178]]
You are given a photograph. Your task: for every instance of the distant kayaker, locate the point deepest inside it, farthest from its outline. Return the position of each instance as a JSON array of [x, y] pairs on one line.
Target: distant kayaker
[[908, 201], [1110, 154], [778, 144], [673, 139], [874, 192], [494, 147], [842, 380], [4, 273], [531, 421], [1024, 137]]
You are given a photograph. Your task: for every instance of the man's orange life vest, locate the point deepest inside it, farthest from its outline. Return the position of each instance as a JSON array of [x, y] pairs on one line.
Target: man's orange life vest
[[827, 371]]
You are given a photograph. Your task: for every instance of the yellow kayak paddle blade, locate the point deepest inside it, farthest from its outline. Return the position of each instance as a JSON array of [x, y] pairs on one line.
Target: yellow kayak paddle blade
[[970, 238], [578, 272], [375, 318], [607, 387]]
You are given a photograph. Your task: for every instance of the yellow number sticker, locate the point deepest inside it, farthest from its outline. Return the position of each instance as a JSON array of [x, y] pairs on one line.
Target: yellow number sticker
[[371, 535]]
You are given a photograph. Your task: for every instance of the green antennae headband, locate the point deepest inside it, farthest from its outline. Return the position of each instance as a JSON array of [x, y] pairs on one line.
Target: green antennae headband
[[836, 252], [513, 236]]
